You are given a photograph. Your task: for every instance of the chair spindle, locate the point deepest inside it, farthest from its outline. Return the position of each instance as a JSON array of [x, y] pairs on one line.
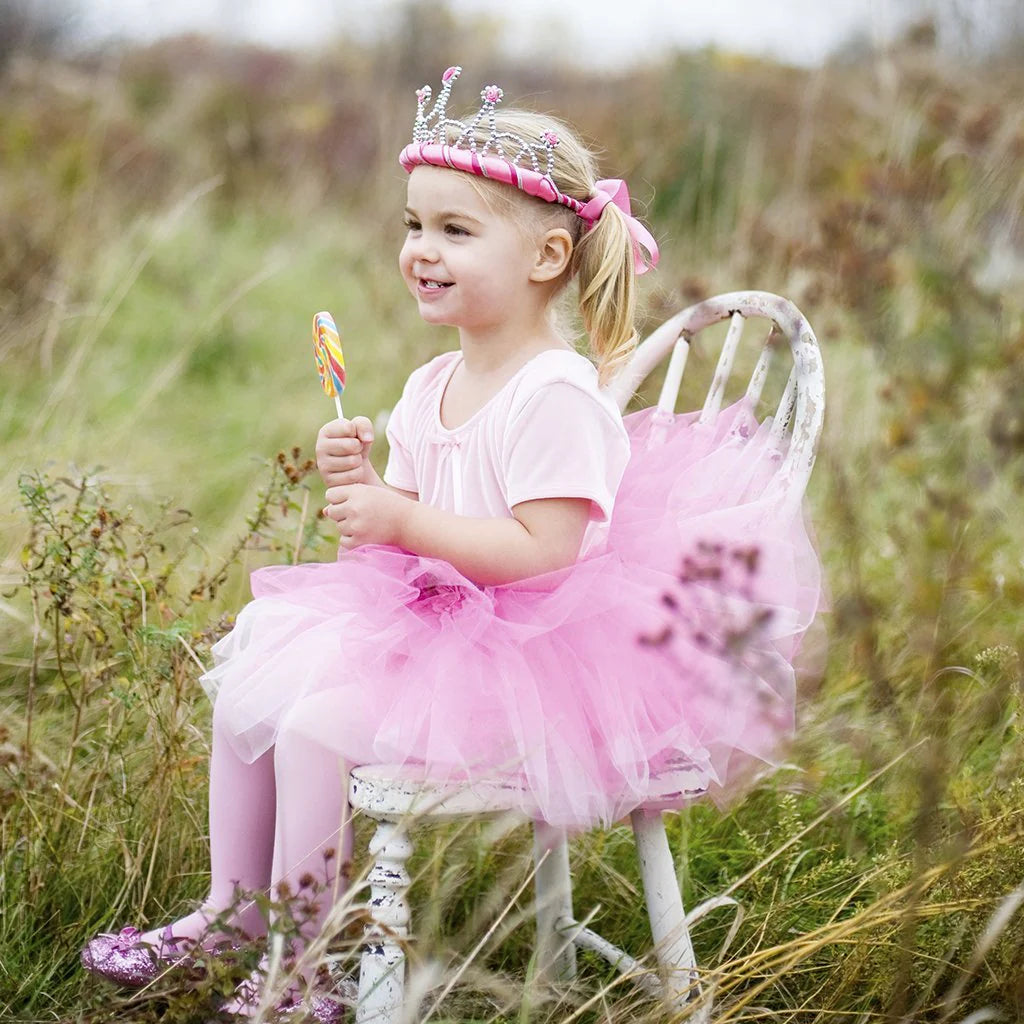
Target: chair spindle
[[760, 374], [784, 413], [674, 376], [713, 402]]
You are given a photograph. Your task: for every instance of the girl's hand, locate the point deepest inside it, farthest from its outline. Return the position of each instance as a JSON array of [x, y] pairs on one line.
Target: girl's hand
[[343, 452], [367, 514]]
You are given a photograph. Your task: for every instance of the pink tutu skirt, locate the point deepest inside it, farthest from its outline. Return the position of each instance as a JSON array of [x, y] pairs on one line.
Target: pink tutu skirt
[[673, 641]]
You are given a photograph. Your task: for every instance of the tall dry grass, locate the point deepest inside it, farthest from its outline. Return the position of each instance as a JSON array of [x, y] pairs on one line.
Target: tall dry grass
[[170, 219]]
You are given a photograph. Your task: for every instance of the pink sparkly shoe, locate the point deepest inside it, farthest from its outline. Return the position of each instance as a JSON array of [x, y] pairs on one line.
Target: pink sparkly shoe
[[126, 961], [323, 1005]]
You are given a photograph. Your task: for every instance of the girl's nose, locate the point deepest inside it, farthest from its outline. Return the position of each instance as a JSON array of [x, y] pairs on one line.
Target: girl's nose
[[425, 251]]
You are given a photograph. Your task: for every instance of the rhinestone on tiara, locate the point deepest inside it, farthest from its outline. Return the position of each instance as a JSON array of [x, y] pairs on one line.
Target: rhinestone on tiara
[[436, 127]]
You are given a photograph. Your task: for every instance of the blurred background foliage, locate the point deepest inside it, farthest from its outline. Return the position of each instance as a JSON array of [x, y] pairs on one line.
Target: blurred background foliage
[[171, 215]]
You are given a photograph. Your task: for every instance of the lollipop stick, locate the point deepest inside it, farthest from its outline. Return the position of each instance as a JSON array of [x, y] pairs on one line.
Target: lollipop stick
[[337, 405]]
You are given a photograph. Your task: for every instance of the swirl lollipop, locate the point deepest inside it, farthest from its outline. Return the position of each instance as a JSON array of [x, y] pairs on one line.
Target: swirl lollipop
[[330, 360]]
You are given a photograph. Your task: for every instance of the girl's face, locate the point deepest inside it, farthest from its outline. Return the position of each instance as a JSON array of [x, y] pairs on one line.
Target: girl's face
[[465, 264]]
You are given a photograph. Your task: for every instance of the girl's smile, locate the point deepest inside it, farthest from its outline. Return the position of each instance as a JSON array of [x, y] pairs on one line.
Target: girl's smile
[[427, 284]]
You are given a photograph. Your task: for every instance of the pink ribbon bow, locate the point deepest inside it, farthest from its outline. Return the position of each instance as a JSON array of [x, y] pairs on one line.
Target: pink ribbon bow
[[613, 190]]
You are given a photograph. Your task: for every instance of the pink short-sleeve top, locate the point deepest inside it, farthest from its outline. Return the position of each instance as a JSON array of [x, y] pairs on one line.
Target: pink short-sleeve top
[[550, 432]]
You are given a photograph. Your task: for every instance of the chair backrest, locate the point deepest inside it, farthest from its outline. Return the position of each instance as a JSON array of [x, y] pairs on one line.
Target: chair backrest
[[801, 409]]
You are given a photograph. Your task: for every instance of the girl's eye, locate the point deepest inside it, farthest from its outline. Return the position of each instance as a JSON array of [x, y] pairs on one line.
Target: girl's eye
[[454, 229], [411, 225]]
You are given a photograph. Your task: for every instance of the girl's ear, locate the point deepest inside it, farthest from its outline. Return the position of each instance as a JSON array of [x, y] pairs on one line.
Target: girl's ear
[[553, 254]]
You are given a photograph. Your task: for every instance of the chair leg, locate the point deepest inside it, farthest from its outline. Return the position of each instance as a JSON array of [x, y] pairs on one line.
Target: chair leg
[[672, 946], [382, 966], [556, 953]]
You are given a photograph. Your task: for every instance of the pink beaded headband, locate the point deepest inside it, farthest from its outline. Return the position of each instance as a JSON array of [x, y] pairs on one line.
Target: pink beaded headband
[[501, 155]]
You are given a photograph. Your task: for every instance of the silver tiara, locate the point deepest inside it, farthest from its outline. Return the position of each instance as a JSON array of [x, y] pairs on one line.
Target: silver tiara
[[437, 127]]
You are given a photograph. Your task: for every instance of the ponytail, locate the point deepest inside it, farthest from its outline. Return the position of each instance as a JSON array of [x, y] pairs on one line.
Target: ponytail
[[603, 267]]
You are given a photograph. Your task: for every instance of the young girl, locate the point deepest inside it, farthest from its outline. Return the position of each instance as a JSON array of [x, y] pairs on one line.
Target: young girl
[[489, 612]]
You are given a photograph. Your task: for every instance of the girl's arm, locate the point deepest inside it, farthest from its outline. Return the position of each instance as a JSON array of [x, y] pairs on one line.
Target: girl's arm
[[544, 535]]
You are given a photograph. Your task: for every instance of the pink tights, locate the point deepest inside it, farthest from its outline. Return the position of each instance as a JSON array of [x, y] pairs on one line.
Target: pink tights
[[271, 821]]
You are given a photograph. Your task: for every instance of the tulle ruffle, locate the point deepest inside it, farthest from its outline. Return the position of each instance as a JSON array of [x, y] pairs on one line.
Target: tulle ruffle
[[674, 641]]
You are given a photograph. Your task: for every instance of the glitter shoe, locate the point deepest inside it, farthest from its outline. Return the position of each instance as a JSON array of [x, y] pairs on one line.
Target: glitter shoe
[[323, 1005], [125, 960]]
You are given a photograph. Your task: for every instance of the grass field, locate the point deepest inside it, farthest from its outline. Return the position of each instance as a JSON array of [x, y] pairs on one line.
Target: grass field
[[166, 238]]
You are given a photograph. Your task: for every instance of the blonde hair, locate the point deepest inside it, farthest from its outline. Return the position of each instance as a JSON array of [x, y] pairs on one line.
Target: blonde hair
[[602, 257]]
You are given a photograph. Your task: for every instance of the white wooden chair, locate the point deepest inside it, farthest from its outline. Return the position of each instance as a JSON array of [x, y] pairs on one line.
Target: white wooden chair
[[396, 800]]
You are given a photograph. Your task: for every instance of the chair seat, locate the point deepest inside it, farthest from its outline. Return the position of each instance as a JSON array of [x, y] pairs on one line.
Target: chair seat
[[394, 791]]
